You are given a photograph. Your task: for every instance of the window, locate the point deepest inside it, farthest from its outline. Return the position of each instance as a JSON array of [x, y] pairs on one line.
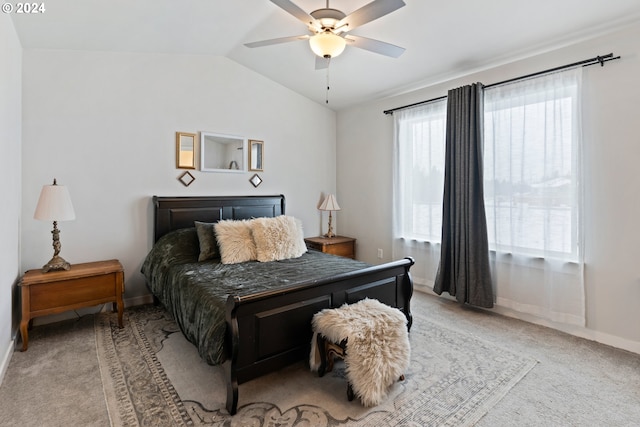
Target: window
[[531, 167], [532, 193], [420, 150]]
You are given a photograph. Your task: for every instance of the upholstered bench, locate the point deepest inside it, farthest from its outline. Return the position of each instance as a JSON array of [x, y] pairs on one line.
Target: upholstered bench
[[373, 340]]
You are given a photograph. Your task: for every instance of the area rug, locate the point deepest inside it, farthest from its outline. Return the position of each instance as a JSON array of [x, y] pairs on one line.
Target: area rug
[[153, 377]]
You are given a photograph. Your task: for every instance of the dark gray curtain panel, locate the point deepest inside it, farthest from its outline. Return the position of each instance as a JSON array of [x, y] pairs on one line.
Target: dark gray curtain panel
[[464, 259]]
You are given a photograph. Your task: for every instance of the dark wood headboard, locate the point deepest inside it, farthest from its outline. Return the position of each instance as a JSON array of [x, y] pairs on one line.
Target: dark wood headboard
[[172, 213]]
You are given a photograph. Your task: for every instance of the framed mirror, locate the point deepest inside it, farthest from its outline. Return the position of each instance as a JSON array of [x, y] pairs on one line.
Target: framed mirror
[[185, 150], [256, 155], [186, 178], [255, 180], [222, 153]]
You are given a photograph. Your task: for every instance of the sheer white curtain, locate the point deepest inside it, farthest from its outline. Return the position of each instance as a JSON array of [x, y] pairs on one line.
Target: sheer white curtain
[[533, 195], [419, 150]]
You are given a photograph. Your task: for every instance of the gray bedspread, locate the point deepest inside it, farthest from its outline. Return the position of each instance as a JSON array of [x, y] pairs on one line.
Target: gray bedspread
[[196, 292]]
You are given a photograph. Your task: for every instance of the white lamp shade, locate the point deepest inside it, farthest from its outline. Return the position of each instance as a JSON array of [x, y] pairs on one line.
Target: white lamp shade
[[54, 204], [327, 44], [329, 204]]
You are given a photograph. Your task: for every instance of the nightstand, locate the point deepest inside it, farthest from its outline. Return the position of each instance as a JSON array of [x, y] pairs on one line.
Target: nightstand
[[337, 245], [84, 285]]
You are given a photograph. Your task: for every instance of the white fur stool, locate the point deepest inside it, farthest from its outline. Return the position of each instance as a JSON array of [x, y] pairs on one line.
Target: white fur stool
[[373, 340]]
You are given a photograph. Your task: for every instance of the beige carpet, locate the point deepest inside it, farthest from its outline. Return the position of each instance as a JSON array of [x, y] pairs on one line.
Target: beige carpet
[[153, 376]]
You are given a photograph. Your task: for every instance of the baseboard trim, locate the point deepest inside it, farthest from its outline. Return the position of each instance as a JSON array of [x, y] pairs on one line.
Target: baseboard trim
[[578, 331], [139, 300], [6, 358]]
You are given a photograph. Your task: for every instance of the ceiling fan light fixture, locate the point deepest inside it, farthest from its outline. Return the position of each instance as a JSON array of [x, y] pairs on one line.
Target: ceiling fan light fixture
[[327, 44]]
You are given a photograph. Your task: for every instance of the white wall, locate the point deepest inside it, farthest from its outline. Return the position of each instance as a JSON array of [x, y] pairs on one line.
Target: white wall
[[104, 125], [612, 149], [10, 136]]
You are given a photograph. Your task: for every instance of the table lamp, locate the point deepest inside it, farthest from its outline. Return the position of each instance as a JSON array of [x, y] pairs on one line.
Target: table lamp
[[55, 205], [329, 204]]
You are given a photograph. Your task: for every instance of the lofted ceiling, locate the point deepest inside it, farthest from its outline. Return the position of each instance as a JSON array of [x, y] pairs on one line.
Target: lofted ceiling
[[443, 39]]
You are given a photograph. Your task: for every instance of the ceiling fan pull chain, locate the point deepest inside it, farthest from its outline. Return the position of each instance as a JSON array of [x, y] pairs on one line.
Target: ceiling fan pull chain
[[327, 91]]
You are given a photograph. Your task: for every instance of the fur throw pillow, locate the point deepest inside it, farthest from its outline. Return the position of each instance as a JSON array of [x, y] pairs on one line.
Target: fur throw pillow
[[235, 241], [278, 238]]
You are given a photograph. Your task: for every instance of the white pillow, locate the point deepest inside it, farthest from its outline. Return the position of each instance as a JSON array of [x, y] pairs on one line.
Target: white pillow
[[235, 241], [278, 238]]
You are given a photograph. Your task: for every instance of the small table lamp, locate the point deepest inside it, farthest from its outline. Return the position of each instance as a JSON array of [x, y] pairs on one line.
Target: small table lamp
[[55, 205], [329, 204]]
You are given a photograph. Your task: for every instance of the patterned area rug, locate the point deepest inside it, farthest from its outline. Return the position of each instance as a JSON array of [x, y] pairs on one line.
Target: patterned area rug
[[153, 377]]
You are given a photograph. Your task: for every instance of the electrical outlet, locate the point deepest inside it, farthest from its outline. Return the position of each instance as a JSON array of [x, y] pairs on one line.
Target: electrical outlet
[[380, 254]]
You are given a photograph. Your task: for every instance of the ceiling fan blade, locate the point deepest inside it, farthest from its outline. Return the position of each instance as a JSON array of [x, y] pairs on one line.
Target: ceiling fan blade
[[375, 46], [294, 10], [369, 12], [276, 41], [322, 63]]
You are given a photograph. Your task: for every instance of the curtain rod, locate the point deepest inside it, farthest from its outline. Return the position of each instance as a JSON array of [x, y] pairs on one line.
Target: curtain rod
[[585, 63]]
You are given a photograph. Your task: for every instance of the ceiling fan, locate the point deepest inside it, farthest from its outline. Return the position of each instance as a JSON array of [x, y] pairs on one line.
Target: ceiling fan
[[330, 29]]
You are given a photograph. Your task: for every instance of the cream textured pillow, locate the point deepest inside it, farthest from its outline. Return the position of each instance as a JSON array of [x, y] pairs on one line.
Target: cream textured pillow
[[235, 241], [278, 238]]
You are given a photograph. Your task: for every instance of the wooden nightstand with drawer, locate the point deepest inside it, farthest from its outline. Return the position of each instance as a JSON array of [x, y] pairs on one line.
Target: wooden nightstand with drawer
[[337, 245], [84, 285]]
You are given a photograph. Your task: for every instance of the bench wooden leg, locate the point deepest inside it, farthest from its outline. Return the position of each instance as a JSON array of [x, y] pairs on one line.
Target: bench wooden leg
[[320, 341]]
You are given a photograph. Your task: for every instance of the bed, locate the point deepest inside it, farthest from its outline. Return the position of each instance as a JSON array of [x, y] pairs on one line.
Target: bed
[[254, 316]]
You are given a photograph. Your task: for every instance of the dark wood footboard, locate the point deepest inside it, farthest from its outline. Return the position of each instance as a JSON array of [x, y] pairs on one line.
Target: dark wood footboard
[[270, 330]]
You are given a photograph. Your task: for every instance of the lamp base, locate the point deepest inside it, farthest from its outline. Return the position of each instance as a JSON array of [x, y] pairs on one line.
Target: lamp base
[[56, 263], [330, 233]]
